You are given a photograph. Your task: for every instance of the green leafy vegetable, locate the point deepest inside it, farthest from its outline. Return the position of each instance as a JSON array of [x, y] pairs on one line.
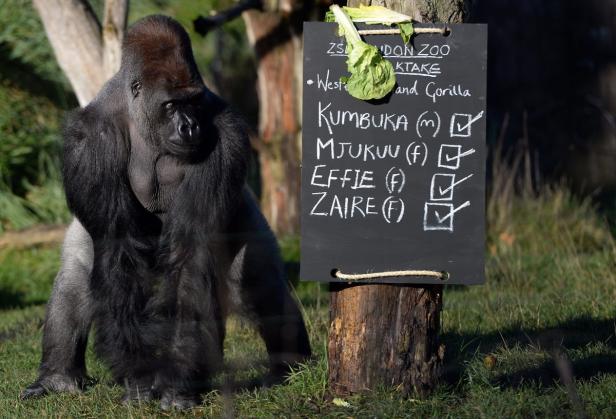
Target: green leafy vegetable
[[406, 30], [372, 76], [341, 402], [378, 15]]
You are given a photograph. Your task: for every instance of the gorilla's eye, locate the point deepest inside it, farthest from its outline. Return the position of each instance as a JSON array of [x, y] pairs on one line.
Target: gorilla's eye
[[135, 88], [169, 107]]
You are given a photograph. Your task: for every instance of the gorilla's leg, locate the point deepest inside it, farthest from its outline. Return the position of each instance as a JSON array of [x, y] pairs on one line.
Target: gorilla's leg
[[275, 312], [264, 293], [67, 320], [196, 342]]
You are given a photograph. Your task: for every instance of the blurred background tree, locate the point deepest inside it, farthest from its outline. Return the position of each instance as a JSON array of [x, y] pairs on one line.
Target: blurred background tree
[[33, 94]]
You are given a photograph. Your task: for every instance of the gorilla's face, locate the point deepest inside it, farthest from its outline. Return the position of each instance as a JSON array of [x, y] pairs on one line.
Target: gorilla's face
[[168, 118], [164, 90]]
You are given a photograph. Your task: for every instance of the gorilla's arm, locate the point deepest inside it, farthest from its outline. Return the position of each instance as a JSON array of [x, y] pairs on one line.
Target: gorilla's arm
[[67, 320], [123, 233], [95, 168], [264, 295]]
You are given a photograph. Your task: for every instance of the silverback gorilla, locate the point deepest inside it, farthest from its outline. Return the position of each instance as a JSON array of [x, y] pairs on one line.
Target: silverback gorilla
[[167, 238]]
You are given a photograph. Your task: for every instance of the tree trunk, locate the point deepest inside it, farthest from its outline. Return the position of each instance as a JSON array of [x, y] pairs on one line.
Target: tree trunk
[[388, 334], [87, 54], [114, 23], [277, 44], [384, 335]]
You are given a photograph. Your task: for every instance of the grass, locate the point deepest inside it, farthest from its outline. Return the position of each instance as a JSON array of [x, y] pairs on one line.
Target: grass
[[549, 296]]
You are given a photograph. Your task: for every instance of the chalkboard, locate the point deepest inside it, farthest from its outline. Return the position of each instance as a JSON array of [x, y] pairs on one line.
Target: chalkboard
[[396, 184]]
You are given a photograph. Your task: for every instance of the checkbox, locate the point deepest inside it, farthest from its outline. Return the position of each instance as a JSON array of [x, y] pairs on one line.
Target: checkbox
[[442, 186], [440, 216], [449, 156], [462, 123]]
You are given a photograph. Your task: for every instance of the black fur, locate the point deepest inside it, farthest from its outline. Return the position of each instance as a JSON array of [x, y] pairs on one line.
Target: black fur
[[161, 281]]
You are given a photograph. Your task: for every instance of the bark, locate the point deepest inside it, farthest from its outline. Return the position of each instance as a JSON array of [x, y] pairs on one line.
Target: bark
[[278, 50], [87, 53], [384, 335], [423, 10], [114, 24], [389, 334]]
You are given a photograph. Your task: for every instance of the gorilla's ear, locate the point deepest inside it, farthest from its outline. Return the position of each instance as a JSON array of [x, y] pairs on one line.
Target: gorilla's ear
[[95, 159]]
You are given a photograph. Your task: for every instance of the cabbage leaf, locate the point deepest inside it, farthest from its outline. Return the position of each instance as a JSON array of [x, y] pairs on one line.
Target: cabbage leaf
[[372, 76], [378, 15]]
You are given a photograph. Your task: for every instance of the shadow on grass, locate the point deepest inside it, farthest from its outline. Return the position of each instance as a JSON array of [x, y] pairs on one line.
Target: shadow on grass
[[573, 334], [16, 299], [546, 374]]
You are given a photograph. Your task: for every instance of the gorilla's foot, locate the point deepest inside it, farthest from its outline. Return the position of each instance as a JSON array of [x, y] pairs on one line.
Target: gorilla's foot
[[53, 383], [138, 394], [138, 390], [174, 400], [281, 365]]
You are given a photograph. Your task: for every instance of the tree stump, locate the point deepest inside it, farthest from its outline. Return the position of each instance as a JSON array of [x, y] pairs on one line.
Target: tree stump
[[388, 334], [384, 335]]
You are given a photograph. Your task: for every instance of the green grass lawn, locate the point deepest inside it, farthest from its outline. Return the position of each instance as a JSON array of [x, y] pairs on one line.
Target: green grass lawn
[[550, 295]]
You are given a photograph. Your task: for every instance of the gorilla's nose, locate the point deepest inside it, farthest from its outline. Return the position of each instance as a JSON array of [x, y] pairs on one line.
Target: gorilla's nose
[[188, 128]]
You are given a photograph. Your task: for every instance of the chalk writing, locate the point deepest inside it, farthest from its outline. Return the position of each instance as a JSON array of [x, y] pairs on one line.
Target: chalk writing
[[394, 180], [450, 155], [361, 120], [337, 150], [439, 216], [393, 209], [461, 124], [436, 92], [442, 186], [417, 152], [429, 120]]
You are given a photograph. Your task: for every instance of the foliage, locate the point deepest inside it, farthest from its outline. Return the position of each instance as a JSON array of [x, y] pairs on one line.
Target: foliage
[[26, 276], [23, 40], [33, 97], [30, 190], [29, 127]]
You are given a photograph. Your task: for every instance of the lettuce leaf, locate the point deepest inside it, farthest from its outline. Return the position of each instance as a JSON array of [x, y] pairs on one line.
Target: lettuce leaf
[[372, 76], [406, 30], [377, 15]]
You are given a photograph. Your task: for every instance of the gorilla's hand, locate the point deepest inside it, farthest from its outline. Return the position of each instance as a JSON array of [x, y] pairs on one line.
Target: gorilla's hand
[[54, 383]]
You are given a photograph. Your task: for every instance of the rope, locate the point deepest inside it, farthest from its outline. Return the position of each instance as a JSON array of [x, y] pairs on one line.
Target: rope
[[443, 276], [396, 31]]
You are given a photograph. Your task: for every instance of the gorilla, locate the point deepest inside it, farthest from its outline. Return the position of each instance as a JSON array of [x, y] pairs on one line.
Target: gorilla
[[166, 239]]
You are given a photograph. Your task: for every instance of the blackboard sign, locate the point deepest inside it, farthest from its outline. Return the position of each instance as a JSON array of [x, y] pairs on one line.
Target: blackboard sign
[[397, 184]]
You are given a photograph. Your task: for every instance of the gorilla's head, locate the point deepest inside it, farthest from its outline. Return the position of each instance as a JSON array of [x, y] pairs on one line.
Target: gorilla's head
[[164, 90]]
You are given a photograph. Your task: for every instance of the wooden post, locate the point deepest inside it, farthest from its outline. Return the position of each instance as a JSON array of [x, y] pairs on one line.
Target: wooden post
[[388, 334]]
